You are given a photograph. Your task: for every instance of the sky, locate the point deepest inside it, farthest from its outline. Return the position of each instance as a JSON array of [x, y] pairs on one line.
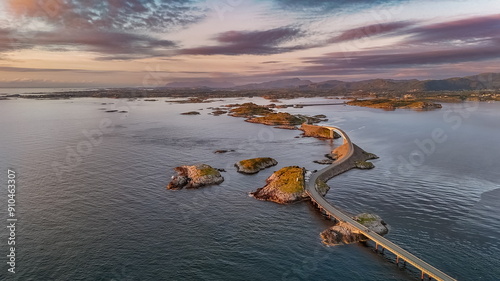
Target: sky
[[149, 43]]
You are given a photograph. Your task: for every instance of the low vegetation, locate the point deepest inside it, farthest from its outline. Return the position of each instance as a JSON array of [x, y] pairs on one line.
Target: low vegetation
[[290, 179], [255, 163], [276, 119], [391, 104], [316, 131], [249, 109], [205, 170]]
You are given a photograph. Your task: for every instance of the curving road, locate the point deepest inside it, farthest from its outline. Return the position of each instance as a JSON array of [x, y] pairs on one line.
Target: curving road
[[400, 253]]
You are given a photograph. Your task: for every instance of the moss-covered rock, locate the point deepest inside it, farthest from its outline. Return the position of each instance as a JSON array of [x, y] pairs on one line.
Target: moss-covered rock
[[364, 165], [373, 222], [277, 119], [322, 187], [191, 113], [318, 132], [344, 233], [392, 104], [283, 186], [249, 110], [252, 166], [195, 176]]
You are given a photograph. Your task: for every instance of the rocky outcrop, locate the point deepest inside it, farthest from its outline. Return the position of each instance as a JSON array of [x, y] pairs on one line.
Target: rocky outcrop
[[324, 161], [373, 222], [218, 112], [195, 176], [343, 233], [322, 187], [277, 119], [224, 151], [191, 113], [364, 165], [392, 104], [318, 132], [283, 186], [252, 166]]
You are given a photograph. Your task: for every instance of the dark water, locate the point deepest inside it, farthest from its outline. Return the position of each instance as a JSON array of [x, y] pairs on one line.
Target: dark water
[[95, 207]]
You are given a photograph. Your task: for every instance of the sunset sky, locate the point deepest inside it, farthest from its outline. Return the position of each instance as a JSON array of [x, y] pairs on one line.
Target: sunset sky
[[120, 43]]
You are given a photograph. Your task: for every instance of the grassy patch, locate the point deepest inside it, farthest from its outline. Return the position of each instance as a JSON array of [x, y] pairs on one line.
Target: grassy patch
[[316, 131], [322, 186], [206, 170], [393, 103], [290, 179], [365, 220], [280, 118], [254, 163], [249, 110]]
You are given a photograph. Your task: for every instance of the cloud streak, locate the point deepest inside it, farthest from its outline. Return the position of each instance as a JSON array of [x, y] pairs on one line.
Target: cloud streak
[[329, 6], [466, 30], [108, 44], [370, 31], [264, 42]]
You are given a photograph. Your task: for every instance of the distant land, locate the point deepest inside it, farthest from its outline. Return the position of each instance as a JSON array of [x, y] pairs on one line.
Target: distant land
[[484, 81], [482, 87]]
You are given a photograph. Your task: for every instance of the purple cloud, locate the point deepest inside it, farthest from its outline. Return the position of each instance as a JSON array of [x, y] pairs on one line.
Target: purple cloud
[[111, 44], [250, 42], [474, 29], [365, 59], [370, 30]]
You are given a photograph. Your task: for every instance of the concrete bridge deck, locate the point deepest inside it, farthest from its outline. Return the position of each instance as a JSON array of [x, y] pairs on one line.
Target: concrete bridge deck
[[400, 253]]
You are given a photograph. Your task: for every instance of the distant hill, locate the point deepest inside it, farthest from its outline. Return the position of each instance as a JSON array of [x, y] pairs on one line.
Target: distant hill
[[276, 84], [484, 81], [201, 84]]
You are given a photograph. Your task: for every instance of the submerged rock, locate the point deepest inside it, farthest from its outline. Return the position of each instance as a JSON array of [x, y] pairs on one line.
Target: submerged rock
[[191, 113], [224, 151], [219, 112], [195, 176], [252, 166], [283, 186]]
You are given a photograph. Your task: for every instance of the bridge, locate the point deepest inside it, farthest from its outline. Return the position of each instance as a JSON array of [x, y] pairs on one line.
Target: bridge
[[319, 200]]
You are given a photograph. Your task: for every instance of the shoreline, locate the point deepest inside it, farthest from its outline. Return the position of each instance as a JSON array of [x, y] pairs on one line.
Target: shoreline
[[203, 95]]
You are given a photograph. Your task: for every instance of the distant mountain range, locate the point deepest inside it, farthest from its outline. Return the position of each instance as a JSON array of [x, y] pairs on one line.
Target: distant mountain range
[[484, 81], [201, 84]]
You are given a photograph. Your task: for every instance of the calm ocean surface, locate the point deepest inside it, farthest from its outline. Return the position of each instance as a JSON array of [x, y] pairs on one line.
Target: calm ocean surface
[[96, 208]]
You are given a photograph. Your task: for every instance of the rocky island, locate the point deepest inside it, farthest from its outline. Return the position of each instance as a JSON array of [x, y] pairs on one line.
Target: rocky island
[[318, 132], [248, 110], [264, 114], [277, 119], [195, 176], [252, 166], [344, 233], [283, 186], [191, 113], [392, 104]]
